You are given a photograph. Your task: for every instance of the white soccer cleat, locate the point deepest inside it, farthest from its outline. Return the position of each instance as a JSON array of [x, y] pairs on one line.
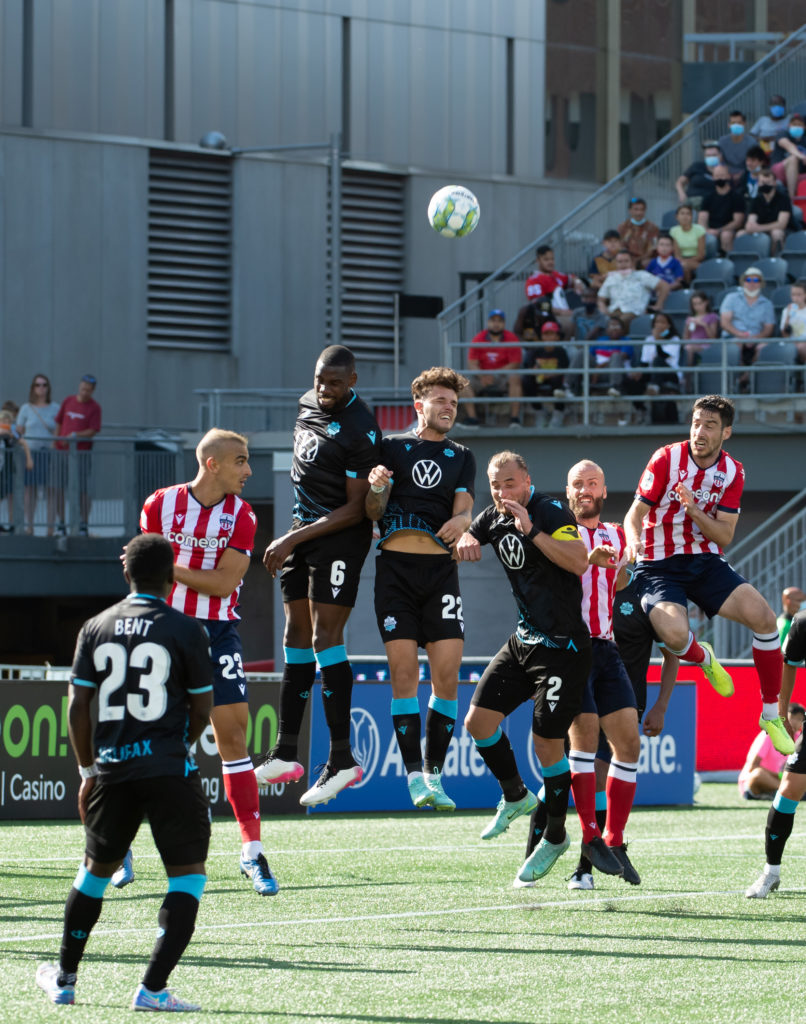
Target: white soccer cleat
[[580, 880], [125, 873], [274, 769], [145, 999], [763, 886], [47, 978], [330, 784]]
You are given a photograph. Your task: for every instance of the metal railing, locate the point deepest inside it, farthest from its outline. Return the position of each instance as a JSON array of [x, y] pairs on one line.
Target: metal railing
[[576, 237], [711, 46]]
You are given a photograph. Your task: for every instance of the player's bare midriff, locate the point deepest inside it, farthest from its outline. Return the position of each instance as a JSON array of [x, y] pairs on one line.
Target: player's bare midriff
[[413, 542]]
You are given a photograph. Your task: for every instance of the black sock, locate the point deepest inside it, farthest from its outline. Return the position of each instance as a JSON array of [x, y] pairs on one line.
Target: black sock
[[557, 789], [537, 826], [80, 914], [501, 761], [778, 830], [295, 690], [177, 919], [337, 691], [438, 734], [584, 867], [407, 734]]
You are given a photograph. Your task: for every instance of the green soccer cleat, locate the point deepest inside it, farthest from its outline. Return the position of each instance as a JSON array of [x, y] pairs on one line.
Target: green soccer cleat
[[776, 730], [506, 812], [440, 799], [421, 795], [716, 675], [542, 859]]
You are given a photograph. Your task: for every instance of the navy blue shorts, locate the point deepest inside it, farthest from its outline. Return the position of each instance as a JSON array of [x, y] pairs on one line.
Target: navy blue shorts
[[608, 687], [707, 580], [226, 654]]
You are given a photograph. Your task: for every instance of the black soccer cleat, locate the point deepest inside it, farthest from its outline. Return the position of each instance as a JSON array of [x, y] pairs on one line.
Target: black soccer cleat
[[602, 856], [628, 873]]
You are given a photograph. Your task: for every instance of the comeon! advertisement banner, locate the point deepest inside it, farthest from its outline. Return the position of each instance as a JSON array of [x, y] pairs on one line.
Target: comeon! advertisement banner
[[38, 776]]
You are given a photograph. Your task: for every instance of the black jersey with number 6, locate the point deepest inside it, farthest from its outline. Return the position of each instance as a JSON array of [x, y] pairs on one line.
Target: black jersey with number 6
[[549, 598], [426, 475], [144, 658]]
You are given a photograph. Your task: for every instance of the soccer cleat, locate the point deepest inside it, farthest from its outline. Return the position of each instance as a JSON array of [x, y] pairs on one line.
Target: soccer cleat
[[125, 873], [602, 856], [580, 880], [716, 675], [441, 801], [542, 859], [263, 881], [506, 812], [330, 784], [628, 872], [274, 769], [145, 999], [47, 978], [763, 886], [776, 730], [421, 795]]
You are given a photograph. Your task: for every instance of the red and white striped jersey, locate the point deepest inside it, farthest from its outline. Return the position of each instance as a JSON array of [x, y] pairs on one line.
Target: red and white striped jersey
[[667, 530], [598, 584], [199, 536]]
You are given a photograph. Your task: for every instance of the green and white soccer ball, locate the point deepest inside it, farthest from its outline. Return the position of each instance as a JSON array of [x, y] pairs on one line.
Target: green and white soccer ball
[[453, 211]]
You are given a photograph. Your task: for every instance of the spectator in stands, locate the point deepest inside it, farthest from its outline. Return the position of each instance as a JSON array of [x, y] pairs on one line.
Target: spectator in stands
[[754, 163], [547, 356], [493, 353], [701, 327], [761, 774], [627, 291], [612, 353], [748, 315], [666, 265], [550, 283], [605, 261], [770, 212], [722, 212], [638, 235], [661, 352], [735, 144], [771, 126], [79, 416], [789, 156], [36, 421], [791, 600], [588, 319], [689, 240], [10, 438], [697, 180], [531, 316], [793, 318]]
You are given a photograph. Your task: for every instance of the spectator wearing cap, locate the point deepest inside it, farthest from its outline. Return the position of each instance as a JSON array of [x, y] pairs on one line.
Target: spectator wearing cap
[[748, 315], [722, 212], [697, 180], [627, 292], [772, 126], [736, 144], [789, 156], [492, 355], [770, 212], [547, 288], [638, 235], [549, 359], [605, 261], [79, 416]]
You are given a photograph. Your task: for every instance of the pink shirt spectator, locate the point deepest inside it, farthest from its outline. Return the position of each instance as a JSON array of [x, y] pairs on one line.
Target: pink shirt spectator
[[770, 759]]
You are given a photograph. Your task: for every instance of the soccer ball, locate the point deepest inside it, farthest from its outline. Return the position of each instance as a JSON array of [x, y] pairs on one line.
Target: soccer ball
[[453, 211]]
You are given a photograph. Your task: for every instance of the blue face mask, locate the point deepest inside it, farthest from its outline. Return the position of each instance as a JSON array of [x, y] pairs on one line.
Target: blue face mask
[[736, 129], [666, 333], [796, 132], [638, 223], [711, 161], [777, 111]]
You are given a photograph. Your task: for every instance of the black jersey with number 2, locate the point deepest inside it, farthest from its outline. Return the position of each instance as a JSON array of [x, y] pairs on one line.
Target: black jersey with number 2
[[144, 658], [549, 598]]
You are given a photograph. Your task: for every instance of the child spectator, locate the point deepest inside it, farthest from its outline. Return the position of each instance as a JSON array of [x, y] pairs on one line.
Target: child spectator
[[639, 235], [605, 261], [754, 163], [9, 439], [665, 265], [793, 318], [547, 356], [689, 240], [702, 325]]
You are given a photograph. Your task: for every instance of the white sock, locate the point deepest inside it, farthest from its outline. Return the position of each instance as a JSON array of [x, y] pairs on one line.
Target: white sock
[[772, 869], [251, 849], [769, 712]]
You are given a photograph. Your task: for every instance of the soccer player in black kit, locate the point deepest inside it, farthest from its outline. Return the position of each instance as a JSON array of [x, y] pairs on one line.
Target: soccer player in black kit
[[150, 667], [423, 495], [547, 659], [336, 444]]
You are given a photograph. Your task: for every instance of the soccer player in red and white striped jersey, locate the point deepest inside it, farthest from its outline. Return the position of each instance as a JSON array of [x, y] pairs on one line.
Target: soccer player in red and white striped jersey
[[684, 515]]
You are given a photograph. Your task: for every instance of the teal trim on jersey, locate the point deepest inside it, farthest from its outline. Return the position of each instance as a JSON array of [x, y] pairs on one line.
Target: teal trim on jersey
[[601, 801], [90, 885], [541, 796], [84, 682], [531, 493], [784, 804], [491, 740], [201, 689], [460, 490], [331, 656], [557, 769], [448, 708], [405, 706], [351, 474], [352, 399], [193, 885], [298, 655], [788, 662], [151, 597]]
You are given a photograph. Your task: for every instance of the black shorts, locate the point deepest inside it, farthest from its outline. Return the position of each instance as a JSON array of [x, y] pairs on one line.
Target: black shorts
[[226, 654], [553, 677], [327, 570], [796, 762], [707, 580], [176, 808], [608, 687], [417, 597]]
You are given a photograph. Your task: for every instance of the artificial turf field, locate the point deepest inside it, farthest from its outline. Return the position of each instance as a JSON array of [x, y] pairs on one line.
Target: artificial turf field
[[410, 918]]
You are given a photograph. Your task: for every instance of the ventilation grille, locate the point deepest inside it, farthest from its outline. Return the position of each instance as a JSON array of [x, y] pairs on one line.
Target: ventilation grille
[[371, 260], [189, 253]]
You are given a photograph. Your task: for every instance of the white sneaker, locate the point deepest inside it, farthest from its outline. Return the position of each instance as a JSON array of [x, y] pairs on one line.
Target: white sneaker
[[273, 769], [145, 999], [330, 784], [47, 978], [763, 886], [125, 873], [557, 419], [580, 880]]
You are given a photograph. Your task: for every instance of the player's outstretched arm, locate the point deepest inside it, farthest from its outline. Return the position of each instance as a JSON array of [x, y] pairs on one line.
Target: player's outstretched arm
[[633, 523], [451, 531], [80, 729], [218, 582], [655, 717], [380, 487]]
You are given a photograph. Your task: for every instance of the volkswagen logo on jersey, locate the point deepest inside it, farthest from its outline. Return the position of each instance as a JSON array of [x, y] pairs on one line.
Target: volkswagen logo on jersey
[[365, 740], [426, 473], [227, 522], [511, 551], [306, 446]]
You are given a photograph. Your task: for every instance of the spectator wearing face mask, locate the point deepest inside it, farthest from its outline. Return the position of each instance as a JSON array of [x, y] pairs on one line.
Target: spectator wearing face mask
[[697, 180], [755, 162], [735, 144], [770, 127], [770, 213], [722, 213], [789, 156], [748, 315], [588, 318], [638, 235]]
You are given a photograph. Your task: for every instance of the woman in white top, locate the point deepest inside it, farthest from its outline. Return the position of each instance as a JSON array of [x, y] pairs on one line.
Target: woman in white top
[[36, 420], [793, 319]]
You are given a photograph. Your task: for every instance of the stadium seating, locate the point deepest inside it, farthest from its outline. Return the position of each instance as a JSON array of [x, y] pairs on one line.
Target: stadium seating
[[668, 220], [708, 378], [641, 327], [678, 306], [794, 252], [775, 270], [780, 297], [781, 381], [748, 250], [714, 276]]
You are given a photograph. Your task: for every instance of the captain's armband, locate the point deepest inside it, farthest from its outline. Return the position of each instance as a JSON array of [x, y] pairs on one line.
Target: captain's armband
[[567, 532]]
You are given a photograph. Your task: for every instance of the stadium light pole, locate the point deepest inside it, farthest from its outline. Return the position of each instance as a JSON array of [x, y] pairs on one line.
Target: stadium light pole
[[216, 140]]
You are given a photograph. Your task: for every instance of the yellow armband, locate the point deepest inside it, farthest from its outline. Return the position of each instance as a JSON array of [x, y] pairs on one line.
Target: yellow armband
[[567, 532]]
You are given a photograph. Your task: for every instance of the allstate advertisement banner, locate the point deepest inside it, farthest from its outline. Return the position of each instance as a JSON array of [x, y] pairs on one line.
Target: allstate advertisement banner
[[38, 776], [665, 767]]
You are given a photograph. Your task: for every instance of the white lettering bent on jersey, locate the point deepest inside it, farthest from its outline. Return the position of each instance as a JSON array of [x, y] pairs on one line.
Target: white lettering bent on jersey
[[184, 540], [426, 473]]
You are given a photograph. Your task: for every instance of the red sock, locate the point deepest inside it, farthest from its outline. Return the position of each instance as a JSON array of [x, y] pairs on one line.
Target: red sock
[[583, 786], [620, 789], [693, 652], [240, 785], [769, 664]]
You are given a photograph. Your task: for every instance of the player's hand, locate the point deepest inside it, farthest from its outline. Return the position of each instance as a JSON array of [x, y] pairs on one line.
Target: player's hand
[[653, 721], [782, 712], [452, 530], [635, 550], [603, 555], [467, 549], [86, 787], [276, 553], [519, 514], [380, 476], [684, 496]]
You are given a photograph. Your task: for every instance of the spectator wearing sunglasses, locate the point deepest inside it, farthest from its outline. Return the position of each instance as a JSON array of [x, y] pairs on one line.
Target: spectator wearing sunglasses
[[748, 315]]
